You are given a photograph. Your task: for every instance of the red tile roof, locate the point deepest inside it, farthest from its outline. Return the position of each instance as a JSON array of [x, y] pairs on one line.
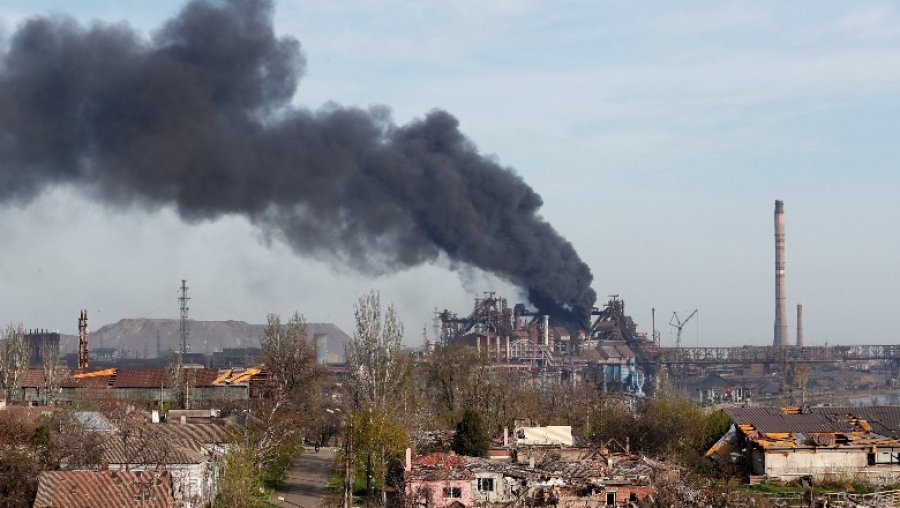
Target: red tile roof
[[104, 488], [439, 459]]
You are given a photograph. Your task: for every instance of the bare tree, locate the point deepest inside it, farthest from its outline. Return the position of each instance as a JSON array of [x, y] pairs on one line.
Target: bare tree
[[376, 375], [376, 369], [14, 356], [289, 358], [50, 365]]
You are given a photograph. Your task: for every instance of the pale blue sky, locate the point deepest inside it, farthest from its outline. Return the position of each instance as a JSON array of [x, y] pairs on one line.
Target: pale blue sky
[[658, 133]]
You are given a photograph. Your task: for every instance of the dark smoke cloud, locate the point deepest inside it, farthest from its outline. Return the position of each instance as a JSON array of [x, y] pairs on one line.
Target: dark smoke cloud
[[199, 116]]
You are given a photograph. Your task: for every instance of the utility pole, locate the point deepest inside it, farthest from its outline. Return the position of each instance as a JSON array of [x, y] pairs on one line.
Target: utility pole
[[185, 331]]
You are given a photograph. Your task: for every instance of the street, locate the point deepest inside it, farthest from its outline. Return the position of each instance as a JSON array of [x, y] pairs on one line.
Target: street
[[305, 484]]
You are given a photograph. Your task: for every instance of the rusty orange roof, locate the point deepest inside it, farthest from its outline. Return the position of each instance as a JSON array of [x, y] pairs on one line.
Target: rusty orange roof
[[95, 373], [222, 377]]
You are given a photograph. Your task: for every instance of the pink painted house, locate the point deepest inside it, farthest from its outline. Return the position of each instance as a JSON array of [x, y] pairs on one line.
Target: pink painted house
[[438, 480]]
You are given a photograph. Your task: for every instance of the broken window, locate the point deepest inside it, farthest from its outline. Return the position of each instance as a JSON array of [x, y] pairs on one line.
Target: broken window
[[486, 484], [610, 499], [888, 456], [453, 492]]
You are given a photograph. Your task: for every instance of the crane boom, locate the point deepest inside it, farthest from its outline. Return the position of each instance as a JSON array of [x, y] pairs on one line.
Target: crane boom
[[678, 324]]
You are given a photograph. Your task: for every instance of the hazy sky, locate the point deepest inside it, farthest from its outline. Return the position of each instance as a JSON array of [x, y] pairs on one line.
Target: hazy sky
[[658, 133]]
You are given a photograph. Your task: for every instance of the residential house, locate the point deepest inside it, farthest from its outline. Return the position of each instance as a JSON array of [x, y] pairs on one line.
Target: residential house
[[191, 452]]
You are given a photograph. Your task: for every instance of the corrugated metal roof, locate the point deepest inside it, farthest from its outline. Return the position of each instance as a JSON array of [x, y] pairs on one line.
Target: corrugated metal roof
[[142, 378], [150, 489], [203, 433], [34, 377], [884, 420], [150, 447]]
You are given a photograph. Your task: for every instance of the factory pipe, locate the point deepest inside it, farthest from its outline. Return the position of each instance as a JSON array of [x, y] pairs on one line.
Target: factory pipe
[[546, 338], [781, 324], [799, 325]]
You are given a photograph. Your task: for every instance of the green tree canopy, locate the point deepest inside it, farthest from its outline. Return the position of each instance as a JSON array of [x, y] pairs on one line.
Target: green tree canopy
[[471, 437]]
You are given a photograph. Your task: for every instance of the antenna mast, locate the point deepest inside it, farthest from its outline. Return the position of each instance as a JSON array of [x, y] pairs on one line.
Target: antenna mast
[[185, 330]]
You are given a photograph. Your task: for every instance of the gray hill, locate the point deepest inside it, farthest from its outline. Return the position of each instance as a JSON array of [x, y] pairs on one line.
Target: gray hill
[[138, 335]]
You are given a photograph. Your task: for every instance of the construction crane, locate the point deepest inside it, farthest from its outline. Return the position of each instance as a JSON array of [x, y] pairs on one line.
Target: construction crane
[[678, 324]]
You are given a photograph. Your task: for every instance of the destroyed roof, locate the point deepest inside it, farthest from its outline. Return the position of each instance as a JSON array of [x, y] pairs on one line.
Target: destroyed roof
[[97, 378], [104, 488], [883, 420], [142, 378], [591, 469]]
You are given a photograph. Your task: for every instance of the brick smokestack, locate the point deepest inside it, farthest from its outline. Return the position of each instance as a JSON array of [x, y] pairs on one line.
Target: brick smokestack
[[781, 324], [799, 325]]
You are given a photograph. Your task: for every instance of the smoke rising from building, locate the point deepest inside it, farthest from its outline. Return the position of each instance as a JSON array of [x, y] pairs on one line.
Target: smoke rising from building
[[199, 117]]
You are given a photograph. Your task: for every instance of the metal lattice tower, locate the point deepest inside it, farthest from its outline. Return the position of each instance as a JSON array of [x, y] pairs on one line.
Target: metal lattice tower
[[82, 340], [185, 330]]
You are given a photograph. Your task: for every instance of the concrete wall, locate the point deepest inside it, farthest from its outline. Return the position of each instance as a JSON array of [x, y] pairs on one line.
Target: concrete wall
[[828, 464], [798, 463]]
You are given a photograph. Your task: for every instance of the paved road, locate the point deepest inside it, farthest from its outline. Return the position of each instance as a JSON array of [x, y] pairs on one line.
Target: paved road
[[305, 484]]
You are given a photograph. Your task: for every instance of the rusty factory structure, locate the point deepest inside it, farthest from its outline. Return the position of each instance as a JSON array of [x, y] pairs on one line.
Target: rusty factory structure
[[615, 353]]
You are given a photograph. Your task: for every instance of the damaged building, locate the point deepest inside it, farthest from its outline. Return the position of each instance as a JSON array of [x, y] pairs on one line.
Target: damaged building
[[823, 442], [539, 466], [198, 385]]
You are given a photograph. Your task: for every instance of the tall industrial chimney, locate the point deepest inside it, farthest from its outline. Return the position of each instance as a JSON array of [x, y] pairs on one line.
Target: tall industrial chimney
[[799, 325], [781, 325]]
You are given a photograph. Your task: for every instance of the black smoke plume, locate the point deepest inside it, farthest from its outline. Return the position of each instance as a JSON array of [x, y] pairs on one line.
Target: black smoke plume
[[199, 116]]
